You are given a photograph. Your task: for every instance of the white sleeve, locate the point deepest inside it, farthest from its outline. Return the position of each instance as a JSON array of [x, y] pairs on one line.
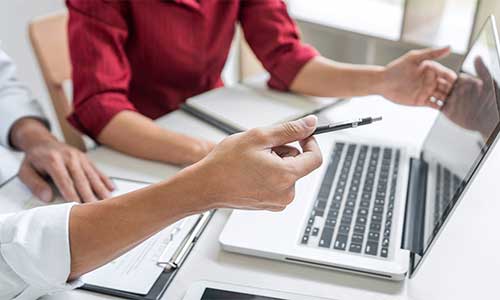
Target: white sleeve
[[35, 257], [15, 99]]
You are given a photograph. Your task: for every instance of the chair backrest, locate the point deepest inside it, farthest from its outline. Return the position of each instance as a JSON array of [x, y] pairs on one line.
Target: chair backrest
[[249, 64], [49, 40]]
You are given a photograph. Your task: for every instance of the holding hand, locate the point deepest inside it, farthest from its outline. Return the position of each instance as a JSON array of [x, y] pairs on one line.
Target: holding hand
[[416, 79], [257, 169]]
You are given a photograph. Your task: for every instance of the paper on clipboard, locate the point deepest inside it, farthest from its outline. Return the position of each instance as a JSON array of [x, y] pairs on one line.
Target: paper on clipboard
[[137, 270]]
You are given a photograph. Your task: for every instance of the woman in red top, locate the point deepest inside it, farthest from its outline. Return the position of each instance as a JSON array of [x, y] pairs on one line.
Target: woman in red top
[[134, 61]]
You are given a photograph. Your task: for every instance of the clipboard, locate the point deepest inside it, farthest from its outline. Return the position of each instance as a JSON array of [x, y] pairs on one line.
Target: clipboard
[[170, 265]]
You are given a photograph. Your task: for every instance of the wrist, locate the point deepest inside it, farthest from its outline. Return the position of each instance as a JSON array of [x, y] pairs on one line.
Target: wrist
[[379, 81], [27, 133], [194, 185], [200, 149]]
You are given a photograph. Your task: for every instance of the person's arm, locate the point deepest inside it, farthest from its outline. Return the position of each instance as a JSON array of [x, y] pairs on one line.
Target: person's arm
[[413, 79], [24, 127], [101, 76], [217, 181], [155, 143], [16, 101], [45, 250]]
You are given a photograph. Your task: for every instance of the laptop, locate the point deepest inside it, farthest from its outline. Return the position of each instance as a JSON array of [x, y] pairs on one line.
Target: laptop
[[372, 208]]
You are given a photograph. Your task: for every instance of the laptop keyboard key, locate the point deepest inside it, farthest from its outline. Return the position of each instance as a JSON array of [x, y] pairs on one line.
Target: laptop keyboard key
[[326, 237], [371, 248], [355, 247], [340, 242], [384, 252]]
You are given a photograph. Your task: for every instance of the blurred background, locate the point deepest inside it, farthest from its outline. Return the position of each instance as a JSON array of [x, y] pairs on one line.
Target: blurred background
[[357, 31]]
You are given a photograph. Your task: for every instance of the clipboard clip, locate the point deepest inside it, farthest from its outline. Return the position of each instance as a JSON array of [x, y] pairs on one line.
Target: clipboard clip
[[187, 244]]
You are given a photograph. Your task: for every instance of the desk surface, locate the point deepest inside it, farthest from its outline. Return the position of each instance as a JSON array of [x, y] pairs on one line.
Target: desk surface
[[209, 262]]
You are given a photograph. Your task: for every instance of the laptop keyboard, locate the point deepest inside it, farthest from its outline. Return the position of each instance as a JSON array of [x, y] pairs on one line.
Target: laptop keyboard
[[353, 211], [447, 185]]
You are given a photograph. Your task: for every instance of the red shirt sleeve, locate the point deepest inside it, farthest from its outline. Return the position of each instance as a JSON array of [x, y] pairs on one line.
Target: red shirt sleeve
[[274, 38], [101, 73]]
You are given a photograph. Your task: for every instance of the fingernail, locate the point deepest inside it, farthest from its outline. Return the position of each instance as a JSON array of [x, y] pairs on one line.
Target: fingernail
[[45, 195], [310, 120]]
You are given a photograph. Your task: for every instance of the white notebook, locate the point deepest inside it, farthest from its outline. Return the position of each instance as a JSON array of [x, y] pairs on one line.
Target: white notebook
[[252, 104]]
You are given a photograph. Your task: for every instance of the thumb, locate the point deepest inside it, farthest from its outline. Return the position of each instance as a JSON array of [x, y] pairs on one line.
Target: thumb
[[35, 183], [431, 54], [290, 131]]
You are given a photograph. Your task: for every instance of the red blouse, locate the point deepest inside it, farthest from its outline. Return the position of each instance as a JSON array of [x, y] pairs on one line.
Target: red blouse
[[149, 56]]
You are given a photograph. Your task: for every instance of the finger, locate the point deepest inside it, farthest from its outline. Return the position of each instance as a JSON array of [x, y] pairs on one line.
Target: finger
[[444, 86], [97, 185], [482, 70], [59, 174], [439, 96], [107, 181], [80, 181], [110, 185], [35, 182], [430, 54], [310, 158], [288, 132], [286, 151]]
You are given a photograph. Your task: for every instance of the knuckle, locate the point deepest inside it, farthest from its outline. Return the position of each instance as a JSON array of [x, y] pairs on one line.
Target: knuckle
[[318, 160], [53, 157], [413, 53], [290, 196], [281, 208], [257, 134], [286, 178]]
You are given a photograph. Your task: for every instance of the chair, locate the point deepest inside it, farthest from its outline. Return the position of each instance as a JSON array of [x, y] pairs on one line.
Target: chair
[[49, 40]]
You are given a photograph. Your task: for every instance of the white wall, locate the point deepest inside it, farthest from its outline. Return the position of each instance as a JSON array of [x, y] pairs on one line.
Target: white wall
[[14, 18]]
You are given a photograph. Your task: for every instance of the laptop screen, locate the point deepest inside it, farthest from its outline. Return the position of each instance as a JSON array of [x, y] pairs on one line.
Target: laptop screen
[[462, 133]]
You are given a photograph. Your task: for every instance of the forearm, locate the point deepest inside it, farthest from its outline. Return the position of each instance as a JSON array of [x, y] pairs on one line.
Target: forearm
[[134, 134], [325, 78], [29, 132], [102, 231]]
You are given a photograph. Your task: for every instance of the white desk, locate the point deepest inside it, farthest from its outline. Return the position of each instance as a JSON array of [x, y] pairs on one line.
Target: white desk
[[443, 276]]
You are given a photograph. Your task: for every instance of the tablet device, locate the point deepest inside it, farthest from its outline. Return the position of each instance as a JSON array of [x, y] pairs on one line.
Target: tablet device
[[208, 290]]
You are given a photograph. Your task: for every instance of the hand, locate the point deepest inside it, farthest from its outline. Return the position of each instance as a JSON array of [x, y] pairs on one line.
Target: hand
[[257, 169], [472, 104], [415, 79], [76, 178]]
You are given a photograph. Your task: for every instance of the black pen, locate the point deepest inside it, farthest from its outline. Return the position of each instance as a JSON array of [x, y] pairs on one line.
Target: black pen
[[345, 125]]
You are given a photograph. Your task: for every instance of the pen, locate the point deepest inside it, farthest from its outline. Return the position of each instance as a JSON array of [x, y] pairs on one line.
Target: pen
[[345, 125]]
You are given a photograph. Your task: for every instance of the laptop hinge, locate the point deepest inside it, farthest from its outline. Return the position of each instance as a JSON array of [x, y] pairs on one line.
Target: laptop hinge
[[413, 229]]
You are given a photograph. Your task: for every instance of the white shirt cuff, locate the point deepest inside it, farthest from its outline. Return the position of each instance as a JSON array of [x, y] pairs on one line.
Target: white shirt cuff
[[14, 106], [35, 244]]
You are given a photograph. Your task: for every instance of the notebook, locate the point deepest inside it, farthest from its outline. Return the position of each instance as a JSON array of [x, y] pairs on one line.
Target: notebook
[[252, 104]]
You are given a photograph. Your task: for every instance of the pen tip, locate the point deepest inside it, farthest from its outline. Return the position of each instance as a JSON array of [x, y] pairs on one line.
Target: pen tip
[[377, 119]]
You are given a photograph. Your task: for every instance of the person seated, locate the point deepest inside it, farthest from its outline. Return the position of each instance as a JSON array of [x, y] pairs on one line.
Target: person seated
[[24, 127], [134, 61], [45, 250]]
